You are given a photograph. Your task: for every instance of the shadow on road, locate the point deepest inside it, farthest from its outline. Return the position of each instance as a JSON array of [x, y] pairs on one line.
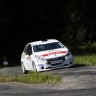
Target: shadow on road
[[78, 65]]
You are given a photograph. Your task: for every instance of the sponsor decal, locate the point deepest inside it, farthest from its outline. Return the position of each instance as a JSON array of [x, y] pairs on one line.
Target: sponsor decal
[[54, 53]]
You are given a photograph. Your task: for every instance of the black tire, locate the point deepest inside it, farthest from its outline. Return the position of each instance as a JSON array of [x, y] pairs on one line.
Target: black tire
[[23, 69], [34, 66]]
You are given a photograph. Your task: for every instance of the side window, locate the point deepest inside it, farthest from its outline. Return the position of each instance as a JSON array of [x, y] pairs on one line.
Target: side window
[[29, 49]]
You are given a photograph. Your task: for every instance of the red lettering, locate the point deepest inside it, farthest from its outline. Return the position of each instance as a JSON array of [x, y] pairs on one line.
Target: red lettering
[[52, 53]]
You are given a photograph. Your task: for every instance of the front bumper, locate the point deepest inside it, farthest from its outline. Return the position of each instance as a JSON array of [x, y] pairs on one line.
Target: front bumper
[[69, 62]]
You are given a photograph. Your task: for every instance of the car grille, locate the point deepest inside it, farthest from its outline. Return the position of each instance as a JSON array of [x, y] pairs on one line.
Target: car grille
[[56, 61]]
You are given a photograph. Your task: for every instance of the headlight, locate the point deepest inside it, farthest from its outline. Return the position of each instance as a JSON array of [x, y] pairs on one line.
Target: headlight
[[40, 59], [68, 53]]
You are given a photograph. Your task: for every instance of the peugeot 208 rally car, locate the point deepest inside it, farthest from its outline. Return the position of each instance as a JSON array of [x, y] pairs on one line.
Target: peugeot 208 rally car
[[45, 55]]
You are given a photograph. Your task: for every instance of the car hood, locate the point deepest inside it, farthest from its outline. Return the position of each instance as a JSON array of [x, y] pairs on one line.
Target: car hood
[[52, 53]]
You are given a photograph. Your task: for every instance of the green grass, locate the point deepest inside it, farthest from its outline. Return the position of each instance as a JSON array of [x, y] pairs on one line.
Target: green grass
[[89, 60], [32, 78], [85, 55], [4, 78]]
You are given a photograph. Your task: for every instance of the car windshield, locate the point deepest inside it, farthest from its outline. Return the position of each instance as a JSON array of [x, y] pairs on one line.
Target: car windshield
[[48, 46]]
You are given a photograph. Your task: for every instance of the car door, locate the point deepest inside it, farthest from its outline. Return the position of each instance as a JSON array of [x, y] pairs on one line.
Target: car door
[[27, 58]]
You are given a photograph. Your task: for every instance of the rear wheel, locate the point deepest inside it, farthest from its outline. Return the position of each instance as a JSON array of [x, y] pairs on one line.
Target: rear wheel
[[23, 69]]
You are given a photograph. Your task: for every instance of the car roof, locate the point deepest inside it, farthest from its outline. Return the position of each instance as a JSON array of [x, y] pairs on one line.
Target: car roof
[[43, 41]]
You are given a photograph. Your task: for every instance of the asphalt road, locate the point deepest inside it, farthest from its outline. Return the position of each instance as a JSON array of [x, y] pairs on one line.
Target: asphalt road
[[78, 81]]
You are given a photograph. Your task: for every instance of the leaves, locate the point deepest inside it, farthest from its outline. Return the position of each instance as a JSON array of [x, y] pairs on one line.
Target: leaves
[[71, 21]]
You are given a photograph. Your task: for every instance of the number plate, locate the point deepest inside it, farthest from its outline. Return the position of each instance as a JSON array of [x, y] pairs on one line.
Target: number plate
[[57, 61]]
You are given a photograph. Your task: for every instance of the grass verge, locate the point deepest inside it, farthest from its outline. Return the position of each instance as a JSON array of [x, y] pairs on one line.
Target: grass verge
[[32, 78], [89, 60]]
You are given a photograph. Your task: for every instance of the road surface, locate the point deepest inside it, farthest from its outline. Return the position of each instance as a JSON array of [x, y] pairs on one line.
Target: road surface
[[78, 81]]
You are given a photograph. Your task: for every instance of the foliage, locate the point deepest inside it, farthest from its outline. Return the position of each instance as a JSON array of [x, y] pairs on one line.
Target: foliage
[[83, 50], [66, 20], [71, 21]]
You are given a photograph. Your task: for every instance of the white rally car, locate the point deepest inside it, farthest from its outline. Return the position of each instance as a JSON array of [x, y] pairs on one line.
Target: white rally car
[[45, 55]]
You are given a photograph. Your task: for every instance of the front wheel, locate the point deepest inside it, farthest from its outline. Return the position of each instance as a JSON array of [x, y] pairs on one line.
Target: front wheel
[[34, 66], [23, 69]]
